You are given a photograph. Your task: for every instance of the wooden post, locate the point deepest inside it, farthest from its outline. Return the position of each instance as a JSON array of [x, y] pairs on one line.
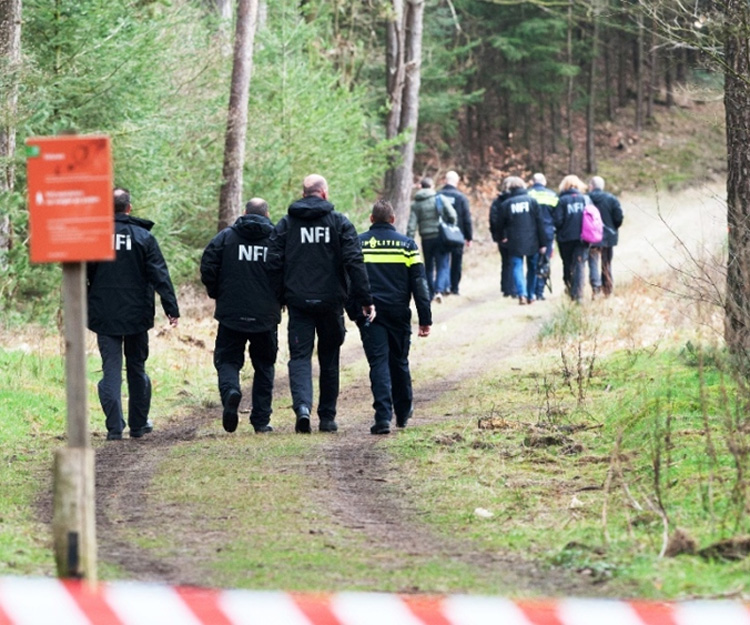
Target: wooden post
[[74, 522]]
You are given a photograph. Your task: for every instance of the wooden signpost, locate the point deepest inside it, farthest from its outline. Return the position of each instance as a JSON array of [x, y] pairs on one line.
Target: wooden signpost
[[71, 219]]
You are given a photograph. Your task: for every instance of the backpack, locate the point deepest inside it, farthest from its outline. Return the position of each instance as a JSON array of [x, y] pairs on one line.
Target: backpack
[[592, 227]]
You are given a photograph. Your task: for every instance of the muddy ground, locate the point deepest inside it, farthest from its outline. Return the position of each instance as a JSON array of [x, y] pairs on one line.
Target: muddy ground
[[477, 327]]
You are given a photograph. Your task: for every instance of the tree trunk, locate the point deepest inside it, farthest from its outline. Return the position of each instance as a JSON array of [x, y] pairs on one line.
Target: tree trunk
[[591, 101], [230, 198], [639, 76], [569, 93], [10, 60], [737, 105], [404, 64]]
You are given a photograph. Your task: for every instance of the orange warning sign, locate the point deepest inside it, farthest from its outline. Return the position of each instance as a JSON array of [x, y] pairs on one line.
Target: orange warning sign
[[71, 215]]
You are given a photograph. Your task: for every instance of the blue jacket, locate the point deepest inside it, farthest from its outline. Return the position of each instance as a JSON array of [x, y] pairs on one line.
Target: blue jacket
[[520, 220], [547, 200], [463, 213], [612, 215], [396, 275], [568, 215]]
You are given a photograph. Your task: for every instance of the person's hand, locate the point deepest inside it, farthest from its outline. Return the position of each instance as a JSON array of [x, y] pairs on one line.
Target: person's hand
[[173, 321], [424, 331], [468, 243], [369, 312], [505, 240], [542, 250]]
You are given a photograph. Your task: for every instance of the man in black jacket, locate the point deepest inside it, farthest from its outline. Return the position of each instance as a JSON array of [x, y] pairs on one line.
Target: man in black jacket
[[520, 225], [396, 274], [463, 215], [121, 312], [233, 269], [314, 260], [612, 217]]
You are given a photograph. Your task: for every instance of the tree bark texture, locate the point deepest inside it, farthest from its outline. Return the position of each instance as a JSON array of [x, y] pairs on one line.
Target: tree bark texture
[[404, 58], [10, 61], [230, 198], [737, 105], [591, 102]]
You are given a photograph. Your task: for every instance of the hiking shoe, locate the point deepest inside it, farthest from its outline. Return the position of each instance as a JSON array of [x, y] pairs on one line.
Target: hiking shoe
[[328, 425], [522, 300], [402, 421], [439, 298], [114, 436], [146, 429], [381, 427], [302, 426], [229, 418], [262, 429]]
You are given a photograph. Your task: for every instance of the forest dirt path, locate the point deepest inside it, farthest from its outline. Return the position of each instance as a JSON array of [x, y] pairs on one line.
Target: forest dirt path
[[352, 473]]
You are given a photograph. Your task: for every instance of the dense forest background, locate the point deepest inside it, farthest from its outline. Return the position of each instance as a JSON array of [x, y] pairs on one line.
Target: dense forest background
[[505, 87]]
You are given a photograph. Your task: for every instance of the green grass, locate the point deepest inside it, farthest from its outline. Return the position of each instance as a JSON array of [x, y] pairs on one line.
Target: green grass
[[550, 503]]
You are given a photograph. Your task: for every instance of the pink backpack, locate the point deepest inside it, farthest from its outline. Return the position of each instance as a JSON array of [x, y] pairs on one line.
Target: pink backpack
[[592, 227]]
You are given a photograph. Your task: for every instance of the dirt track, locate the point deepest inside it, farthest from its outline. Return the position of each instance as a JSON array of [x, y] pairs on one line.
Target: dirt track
[[468, 333]]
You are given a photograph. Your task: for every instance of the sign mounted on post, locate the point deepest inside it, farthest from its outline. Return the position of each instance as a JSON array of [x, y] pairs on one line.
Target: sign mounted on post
[[71, 214]]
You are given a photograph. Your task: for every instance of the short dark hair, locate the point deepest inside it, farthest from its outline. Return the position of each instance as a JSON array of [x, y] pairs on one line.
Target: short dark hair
[[382, 212], [256, 206], [122, 199], [426, 183]]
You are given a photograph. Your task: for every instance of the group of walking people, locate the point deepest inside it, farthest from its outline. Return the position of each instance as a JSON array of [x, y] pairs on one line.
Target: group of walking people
[[315, 264], [526, 220]]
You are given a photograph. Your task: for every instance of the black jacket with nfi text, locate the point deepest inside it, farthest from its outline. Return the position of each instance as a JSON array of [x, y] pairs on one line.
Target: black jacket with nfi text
[[121, 292], [233, 269], [315, 258]]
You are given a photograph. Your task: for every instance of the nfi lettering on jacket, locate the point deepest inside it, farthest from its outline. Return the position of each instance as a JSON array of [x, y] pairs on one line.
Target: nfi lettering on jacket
[[316, 234], [252, 252], [519, 207], [122, 242]]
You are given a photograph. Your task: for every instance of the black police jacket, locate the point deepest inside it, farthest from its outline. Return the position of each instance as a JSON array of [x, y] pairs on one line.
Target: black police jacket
[[315, 256], [612, 215], [121, 292], [520, 220], [396, 275], [233, 269], [463, 213]]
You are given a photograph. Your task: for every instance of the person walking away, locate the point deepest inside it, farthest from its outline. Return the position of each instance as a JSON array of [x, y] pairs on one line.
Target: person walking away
[[424, 218], [120, 297], [396, 275], [568, 217], [314, 259], [463, 217], [233, 270], [521, 225], [547, 200], [612, 218], [507, 285]]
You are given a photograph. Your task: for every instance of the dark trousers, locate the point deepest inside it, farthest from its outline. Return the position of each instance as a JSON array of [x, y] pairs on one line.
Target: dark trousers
[[229, 358], [457, 259], [110, 386], [507, 283], [386, 342], [304, 323], [607, 282], [433, 254], [575, 256]]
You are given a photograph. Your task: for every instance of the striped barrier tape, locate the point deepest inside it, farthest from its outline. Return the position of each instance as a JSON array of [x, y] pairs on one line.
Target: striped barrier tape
[[53, 602]]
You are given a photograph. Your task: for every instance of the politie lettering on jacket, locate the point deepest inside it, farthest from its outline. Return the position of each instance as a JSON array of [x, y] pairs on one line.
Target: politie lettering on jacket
[[122, 242], [315, 234], [519, 207], [252, 252], [373, 242]]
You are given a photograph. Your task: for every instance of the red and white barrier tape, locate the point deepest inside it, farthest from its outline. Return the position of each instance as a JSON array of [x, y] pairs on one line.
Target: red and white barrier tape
[[53, 602]]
